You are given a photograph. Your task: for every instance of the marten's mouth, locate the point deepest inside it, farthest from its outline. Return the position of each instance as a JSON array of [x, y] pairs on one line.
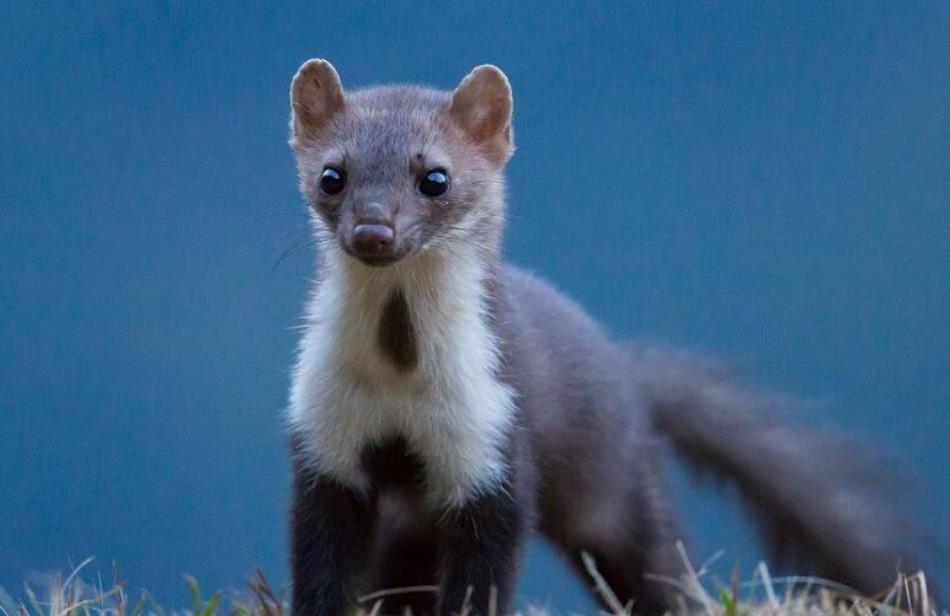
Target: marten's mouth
[[381, 259], [375, 253], [377, 261]]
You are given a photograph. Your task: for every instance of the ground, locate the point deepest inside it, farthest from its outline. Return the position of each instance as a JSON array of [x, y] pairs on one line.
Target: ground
[[696, 595]]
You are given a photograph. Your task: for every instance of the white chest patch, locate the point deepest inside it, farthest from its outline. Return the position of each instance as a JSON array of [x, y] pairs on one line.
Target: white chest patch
[[451, 409]]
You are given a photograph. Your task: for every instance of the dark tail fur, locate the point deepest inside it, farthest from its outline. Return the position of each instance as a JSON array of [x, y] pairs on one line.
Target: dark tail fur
[[819, 498]]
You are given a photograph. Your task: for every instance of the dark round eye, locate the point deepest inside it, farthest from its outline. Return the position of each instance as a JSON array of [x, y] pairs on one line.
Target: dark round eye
[[332, 181], [435, 183]]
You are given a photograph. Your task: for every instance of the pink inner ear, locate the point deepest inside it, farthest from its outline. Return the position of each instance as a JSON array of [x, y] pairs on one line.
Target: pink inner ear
[[483, 110], [316, 96], [481, 105], [486, 112], [491, 123]]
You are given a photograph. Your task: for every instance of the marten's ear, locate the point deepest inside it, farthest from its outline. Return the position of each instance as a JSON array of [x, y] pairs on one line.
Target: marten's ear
[[316, 95], [481, 105]]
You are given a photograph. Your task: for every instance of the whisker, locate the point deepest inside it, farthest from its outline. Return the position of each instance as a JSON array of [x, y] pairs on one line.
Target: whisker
[[294, 248]]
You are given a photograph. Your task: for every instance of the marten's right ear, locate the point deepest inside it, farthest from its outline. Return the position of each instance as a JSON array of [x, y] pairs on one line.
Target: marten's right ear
[[481, 105], [316, 95]]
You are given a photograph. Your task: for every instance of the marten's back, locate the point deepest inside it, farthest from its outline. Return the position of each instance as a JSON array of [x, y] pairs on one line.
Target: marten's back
[[575, 386]]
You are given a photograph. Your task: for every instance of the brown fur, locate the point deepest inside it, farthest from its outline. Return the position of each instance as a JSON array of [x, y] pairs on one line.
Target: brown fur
[[397, 337]]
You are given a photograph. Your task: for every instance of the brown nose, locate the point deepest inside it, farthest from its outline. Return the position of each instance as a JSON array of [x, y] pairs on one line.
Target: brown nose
[[372, 239]]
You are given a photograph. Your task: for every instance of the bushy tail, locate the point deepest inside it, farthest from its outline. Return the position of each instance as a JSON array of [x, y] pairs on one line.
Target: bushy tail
[[819, 499]]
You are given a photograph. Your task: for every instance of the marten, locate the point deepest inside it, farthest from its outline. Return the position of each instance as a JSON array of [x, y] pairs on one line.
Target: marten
[[445, 405]]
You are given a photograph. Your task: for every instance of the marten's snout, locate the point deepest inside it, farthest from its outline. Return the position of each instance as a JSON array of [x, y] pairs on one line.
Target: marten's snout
[[372, 239]]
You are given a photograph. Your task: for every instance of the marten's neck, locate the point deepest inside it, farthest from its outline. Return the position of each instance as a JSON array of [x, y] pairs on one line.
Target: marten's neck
[[411, 351], [402, 320]]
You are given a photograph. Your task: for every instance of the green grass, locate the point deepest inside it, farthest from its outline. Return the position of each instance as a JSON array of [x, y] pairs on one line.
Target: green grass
[[695, 595]]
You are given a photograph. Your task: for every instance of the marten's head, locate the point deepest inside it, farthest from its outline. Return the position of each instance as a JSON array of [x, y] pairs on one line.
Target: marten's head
[[395, 171]]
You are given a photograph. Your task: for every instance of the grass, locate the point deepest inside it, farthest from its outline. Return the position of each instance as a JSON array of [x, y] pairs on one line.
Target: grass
[[695, 595]]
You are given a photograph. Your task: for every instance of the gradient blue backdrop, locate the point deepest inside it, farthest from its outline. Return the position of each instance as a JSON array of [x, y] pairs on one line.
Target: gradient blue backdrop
[[767, 182]]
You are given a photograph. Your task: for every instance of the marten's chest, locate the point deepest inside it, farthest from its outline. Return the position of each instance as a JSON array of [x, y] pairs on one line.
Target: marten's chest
[[391, 464], [409, 364]]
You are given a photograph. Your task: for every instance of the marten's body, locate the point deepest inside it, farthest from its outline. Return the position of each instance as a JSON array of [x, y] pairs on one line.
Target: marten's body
[[446, 405]]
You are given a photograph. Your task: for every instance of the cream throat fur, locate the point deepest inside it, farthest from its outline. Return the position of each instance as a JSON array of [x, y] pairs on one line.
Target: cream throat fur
[[450, 407]]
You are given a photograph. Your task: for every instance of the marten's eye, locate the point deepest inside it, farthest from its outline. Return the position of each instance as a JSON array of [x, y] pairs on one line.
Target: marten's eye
[[332, 180], [435, 183]]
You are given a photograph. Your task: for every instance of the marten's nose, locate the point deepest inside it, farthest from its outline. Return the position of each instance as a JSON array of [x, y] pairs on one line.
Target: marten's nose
[[372, 239]]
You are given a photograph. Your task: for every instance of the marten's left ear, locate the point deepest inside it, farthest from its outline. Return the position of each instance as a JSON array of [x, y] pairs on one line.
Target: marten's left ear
[[481, 105]]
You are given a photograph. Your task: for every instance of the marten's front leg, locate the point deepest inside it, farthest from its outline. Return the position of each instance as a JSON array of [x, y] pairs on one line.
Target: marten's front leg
[[483, 546], [331, 527]]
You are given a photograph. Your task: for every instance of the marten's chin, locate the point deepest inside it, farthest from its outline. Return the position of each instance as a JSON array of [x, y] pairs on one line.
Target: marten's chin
[[375, 259], [379, 261]]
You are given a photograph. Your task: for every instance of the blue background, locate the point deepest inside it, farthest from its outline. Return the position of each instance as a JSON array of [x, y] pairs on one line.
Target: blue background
[[766, 182]]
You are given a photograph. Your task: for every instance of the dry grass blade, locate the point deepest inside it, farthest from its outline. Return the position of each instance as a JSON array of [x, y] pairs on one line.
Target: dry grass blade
[[603, 589], [266, 599], [377, 608], [763, 572], [390, 592], [467, 602]]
